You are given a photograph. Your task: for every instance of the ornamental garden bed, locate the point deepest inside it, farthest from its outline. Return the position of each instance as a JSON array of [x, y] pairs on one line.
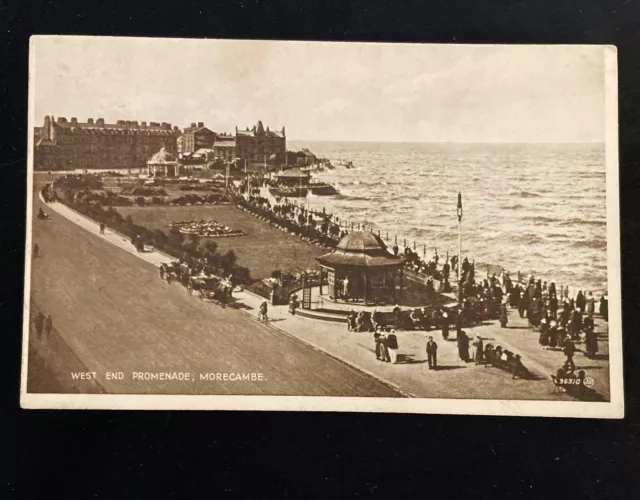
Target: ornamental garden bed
[[205, 229]]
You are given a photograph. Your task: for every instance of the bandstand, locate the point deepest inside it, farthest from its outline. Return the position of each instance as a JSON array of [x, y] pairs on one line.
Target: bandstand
[[362, 271], [163, 164]]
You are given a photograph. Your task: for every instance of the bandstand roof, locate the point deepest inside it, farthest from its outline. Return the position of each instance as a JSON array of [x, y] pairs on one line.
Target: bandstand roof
[[162, 156], [360, 249]]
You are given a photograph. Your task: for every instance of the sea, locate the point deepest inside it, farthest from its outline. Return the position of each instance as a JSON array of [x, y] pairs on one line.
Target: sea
[[534, 208]]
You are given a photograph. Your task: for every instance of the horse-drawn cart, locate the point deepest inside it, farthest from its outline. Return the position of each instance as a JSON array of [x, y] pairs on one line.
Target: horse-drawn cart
[[218, 292], [169, 271]]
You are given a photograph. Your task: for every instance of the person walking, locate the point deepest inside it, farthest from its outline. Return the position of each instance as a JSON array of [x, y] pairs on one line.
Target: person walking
[[432, 354], [39, 322], [262, 312], [36, 251], [48, 326], [392, 347], [102, 226]]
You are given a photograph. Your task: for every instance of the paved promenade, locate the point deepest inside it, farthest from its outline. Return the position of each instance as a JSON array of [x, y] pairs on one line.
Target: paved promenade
[[454, 379]]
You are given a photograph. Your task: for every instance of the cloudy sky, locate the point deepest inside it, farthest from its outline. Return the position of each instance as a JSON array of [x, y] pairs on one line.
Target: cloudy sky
[[329, 91]]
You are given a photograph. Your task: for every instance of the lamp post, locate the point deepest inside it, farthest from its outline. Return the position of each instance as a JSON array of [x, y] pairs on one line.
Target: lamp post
[[459, 211]]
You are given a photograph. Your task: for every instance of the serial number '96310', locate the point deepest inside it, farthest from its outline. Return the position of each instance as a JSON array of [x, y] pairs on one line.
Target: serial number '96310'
[[587, 381]]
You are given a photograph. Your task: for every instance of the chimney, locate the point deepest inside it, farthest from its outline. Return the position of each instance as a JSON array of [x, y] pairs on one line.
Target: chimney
[[74, 121], [283, 133], [90, 121], [143, 124], [176, 128], [193, 125], [134, 123], [46, 132], [62, 119], [200, 124], [100, 121]]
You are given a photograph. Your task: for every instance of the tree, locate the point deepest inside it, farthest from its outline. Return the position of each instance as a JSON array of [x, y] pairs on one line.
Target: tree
[[175, 238], [160, 239], [228, 260]]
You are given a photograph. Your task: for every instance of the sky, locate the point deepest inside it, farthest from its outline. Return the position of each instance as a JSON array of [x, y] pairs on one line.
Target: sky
[[328, 91]]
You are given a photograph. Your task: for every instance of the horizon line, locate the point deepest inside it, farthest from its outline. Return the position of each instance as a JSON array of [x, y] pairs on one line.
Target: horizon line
[[446, 142]]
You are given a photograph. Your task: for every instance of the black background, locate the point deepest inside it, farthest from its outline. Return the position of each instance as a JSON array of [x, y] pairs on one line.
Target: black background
[[93, 454]]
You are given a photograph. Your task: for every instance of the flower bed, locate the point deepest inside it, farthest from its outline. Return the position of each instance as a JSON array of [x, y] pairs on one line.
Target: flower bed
[[205, 229]]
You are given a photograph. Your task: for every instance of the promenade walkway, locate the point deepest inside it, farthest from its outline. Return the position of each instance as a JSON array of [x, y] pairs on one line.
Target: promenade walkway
[[453, 379]]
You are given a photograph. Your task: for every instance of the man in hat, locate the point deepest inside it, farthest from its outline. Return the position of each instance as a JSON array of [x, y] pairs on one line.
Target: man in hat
[[392, 346], [432, 354]]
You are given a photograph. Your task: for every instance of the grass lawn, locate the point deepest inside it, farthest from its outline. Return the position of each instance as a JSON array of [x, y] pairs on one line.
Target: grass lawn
[[263, 249]]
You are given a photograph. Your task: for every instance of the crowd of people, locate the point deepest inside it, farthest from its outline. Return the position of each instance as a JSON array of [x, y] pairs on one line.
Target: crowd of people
[[560, 319], [312, 227]]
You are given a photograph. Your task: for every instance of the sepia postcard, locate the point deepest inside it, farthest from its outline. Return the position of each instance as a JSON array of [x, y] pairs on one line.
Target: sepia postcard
[[312, 226]]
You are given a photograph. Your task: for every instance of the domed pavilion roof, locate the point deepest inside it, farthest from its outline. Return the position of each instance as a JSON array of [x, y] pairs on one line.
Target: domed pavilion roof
[[162, 156], [360, 249]]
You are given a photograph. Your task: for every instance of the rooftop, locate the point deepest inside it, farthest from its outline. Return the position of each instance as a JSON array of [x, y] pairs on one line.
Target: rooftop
[[360, 249]]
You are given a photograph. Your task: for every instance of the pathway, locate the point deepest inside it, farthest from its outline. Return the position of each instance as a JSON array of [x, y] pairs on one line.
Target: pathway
[[454, 379]]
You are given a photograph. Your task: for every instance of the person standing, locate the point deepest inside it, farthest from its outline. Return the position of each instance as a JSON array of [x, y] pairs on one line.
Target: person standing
[[432, 354], [376, 339], [459, 322], [463, 346], [445, 325], [591, 337], [591, 305], [479, 343], [569, 351], [48, 326], [580, 301], [102, 228], [392, 346], [384, 351], [604, 307], [36, 251], [523, 303], [39, 321], [345, 289]]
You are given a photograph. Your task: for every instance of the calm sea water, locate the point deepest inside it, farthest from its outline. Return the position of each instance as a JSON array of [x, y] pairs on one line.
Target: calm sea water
[[536, 208]]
